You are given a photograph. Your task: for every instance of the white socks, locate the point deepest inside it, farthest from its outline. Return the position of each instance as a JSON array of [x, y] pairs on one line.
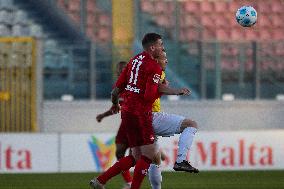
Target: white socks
[[155, 176], [185, 142]]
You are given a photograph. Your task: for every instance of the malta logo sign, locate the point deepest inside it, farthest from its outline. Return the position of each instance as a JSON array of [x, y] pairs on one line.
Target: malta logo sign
[[103, 152]]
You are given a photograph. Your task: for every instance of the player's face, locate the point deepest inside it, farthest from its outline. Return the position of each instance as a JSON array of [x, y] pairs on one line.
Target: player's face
[[163, 61], [158, 48]]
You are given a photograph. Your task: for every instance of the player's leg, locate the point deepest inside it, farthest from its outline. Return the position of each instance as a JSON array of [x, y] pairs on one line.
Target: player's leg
[[165, 124], [188, 129], [155, 174], [143, 136], [143, 163], [120, 153], [121, 147], [122, 164]]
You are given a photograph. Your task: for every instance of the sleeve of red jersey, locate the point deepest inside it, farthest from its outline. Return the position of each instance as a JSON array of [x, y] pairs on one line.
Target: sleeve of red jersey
[[151, 91], [122, 79]]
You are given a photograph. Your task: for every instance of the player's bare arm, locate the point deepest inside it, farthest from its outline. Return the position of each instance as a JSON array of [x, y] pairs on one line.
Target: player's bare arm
[[165, 89], [114, 99], [101, 116]]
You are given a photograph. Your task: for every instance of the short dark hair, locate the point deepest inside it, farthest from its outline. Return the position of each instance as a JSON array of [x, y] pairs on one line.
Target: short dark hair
[[150, 39]]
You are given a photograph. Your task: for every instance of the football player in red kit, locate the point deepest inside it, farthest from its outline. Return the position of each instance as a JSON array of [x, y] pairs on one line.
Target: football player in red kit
[[139, 83]]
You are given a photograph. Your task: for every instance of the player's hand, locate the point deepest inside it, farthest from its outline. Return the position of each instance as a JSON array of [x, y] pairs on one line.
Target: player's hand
[[115, 108], [184, 92], [166, 82], [99, 117]]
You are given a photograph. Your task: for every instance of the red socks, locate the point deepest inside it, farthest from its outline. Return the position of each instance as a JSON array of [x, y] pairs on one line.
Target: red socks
[[140, 171], [126, 176], [123, 164]]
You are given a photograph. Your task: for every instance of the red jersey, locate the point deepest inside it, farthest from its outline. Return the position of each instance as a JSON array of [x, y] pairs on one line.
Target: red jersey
[[140, 81]]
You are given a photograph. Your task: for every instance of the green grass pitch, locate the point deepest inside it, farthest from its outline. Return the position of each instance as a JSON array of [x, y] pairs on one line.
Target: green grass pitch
[[171, 180]]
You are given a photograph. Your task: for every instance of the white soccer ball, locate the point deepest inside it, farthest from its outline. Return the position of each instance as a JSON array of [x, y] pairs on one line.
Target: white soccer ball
[[246, 16]]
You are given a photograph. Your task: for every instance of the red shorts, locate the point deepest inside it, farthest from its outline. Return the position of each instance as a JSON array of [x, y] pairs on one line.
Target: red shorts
[[138, 128], [121, 136]]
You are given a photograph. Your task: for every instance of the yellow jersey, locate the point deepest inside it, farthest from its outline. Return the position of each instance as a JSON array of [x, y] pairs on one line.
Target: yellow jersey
[[156, 107]]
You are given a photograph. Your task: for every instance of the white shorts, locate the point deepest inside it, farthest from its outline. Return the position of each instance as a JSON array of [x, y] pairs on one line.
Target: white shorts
[[165, 124]]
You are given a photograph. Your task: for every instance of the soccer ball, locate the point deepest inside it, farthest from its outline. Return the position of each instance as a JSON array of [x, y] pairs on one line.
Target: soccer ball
[[246, 16]]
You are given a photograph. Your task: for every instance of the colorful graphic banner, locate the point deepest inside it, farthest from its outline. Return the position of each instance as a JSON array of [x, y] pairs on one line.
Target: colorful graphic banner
[[244, 150]]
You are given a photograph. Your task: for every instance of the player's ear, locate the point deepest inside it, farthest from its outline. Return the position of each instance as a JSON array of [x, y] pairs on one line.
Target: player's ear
[[152, 48]]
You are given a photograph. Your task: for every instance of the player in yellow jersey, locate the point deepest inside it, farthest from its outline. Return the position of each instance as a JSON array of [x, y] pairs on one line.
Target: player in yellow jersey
[[165, 124]]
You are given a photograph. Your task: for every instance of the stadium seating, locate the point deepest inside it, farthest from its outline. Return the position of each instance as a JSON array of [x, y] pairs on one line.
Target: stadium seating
[[98, 22], [4, 30], [219, 13], [210, 20]]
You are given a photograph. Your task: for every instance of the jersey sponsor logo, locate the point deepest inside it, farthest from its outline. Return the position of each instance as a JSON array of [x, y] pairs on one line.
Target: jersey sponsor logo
[[152, 138], [132, 89], [156, 78]]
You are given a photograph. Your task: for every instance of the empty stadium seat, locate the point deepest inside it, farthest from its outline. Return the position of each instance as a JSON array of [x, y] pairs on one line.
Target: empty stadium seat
[[220, 6], [263, 21], [192, 7], [222, 34], [277, 6], [6, 16], [190, 34], [164, 20], [104, 19], [265, 34], [161, 7], [4, 30], [266, 49], [221, 20], [237, 34], [208, 33], [147, 6], [62, 4], [229, 49], [75, 17], [20, 17], [278, 35], [276, 21], [50, 45], [263, 7], [279, 48], [229, 65], [91, 6], [36, 30], [103, 34], [251, 34], [207, 21], [6, 4], [234, 6], [91, 19], [74, 5], [20, 30], [189, 20], [207, 6]]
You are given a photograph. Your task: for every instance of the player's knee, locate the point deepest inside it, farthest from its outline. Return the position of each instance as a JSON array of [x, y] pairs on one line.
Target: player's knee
[[188, 123], [157, 159]]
